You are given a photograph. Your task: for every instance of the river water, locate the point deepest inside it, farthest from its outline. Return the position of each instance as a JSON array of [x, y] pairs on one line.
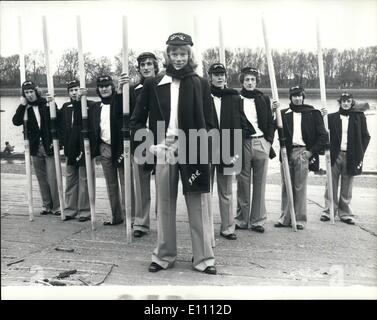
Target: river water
[[14, 134]]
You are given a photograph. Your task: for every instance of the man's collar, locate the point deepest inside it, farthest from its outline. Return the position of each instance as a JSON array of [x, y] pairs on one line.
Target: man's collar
[[165, 80]]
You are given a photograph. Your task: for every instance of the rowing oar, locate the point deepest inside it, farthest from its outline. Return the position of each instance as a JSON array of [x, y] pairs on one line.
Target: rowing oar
[[221, 43], [54, 132], [126, 134], [198, 55], [85, 128], [283, 149], [29, 185], [322, 86]]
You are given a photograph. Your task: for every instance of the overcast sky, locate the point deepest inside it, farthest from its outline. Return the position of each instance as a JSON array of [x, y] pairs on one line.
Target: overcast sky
[[291, 24]]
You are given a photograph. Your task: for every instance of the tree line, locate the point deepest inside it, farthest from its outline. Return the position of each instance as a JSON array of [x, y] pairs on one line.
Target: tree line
[[343, 69]]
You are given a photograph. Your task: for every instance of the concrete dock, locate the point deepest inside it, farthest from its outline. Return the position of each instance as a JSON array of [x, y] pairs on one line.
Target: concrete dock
[[324, 260]]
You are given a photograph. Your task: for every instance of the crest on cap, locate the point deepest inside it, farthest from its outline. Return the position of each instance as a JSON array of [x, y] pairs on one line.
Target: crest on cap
[[28, 85], [296, 90], [27, 82], [179, 39], [345, 96], [73, 83], [250, 70], [104, 81], [217, 67]]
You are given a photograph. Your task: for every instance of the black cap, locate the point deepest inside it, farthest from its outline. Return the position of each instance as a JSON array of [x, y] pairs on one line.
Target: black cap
[[250, 70], [28, 85], [345, 96], [296, 91], [217, 67], [179, 39], [145, 55], [104, 81], [72, 84]]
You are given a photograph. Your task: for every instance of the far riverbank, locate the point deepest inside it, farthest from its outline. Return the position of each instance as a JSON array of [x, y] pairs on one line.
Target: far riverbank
[[283, 92]]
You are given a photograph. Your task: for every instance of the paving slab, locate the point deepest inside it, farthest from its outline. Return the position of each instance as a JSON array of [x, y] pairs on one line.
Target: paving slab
[[322, 255]]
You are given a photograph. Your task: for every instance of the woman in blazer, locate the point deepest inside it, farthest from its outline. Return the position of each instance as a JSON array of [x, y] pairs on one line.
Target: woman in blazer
[[180, 100], [349, 139], [306, 138]]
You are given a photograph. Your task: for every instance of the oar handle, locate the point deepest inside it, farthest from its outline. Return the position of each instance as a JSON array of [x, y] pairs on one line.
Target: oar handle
[[84, 109], [271, 72], [125, 88], [221, 43]]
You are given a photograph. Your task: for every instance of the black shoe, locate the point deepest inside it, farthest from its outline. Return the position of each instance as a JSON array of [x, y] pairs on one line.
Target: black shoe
[[66, 218], [280, 225], [83, 219], [139, 233], [299, 227], [210, 270], [45, 212], [238, 227], [57, 213], [348, 221], [231, 236], [154, 267], [259, 229], [325, 218], [110, 223]]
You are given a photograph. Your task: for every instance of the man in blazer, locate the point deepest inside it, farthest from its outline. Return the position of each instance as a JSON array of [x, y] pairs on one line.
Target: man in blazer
[[226, 103], [106, 124], [41, 149], [306, 138], [179, 100], [70, 123], [258, 133], [349, 139], [147, 65]]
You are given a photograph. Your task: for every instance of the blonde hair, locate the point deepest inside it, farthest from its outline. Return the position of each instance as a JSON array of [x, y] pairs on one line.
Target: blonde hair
[[191, 60]]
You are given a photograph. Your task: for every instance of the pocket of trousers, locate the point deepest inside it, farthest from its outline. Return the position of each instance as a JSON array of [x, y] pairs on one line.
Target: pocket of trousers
[[266, 146]]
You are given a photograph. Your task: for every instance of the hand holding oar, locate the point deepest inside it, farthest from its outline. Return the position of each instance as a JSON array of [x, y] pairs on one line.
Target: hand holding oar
[[283, 149]]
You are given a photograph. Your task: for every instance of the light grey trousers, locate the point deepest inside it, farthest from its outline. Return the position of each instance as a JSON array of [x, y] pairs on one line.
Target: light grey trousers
[[114, 177], [142, 187], [255, 158], [44, 167], [165, 254], [76, 191], [224, 191], [299, 169], [342, 204]]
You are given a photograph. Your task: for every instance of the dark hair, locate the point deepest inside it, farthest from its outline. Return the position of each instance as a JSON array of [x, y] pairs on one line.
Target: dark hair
[[155, 64], [352, 103], [112, 89], [191, 59], [241, 77], [73, 84], [295, 94], [210, 77], [36, 93]]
